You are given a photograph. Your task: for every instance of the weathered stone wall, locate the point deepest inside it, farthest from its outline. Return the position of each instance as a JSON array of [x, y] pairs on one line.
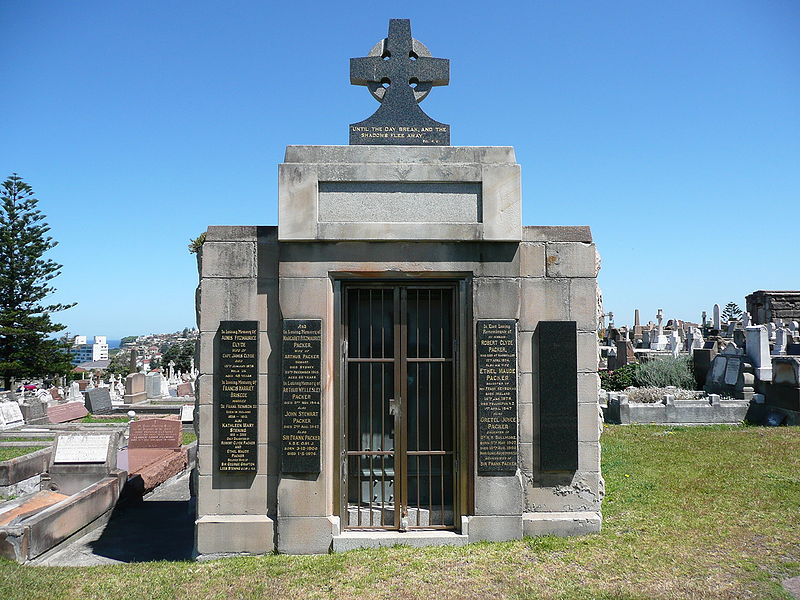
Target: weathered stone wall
[[238, 281], [765, 306], [551, 275]]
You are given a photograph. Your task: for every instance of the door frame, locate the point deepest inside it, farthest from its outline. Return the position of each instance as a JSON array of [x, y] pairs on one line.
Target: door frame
[[463, 407]]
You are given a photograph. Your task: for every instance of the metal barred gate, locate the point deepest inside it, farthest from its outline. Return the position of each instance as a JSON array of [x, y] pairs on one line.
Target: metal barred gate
[[399, 369]]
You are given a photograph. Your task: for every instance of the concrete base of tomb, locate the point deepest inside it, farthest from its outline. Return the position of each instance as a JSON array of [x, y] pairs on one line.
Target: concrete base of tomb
[[562, 524], [350, 540], [224, 535], [307, 535]]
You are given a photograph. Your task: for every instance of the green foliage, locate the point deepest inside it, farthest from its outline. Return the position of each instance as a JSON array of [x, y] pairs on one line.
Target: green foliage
[[618, 379], [128, 339], [26, 350], [665, 371], [731, 311], [181, 353], [197, 243], [120, 363]]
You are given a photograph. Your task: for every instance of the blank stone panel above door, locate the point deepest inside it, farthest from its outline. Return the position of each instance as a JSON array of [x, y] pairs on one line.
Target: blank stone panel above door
[[399, 193]]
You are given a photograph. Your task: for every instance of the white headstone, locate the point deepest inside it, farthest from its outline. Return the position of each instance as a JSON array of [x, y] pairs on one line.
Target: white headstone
[[717, 322], [758, 351], [153, 385], [674, 343], [75, 393], [187, 413], [10, 415], [82, 448], [781, 340]]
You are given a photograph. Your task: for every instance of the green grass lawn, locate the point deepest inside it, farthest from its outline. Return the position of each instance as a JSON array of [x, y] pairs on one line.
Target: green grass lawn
[[694, 513], [7, 453], [188, 437], [101, 419]]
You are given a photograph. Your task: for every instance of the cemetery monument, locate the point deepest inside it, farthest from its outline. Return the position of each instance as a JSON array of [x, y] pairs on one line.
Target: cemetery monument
[[399, 360]]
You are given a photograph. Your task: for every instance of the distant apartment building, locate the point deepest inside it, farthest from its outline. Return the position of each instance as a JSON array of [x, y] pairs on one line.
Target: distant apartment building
[[82, 351]]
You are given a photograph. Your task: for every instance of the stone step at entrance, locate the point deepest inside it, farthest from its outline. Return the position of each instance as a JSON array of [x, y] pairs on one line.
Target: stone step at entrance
[[350, 540]]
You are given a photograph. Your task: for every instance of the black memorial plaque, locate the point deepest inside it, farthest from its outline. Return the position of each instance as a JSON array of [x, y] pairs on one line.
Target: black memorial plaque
[[237, 396], [400, 73], [497, 395], [98, 401], [300, 395], [558, 395]]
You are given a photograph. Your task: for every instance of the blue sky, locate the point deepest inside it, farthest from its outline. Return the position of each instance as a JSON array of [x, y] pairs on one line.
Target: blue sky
[[671, 128]]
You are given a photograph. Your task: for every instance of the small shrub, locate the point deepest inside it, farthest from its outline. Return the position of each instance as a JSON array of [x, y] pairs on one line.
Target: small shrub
[[618, 379], [663, 372], [197, 243]]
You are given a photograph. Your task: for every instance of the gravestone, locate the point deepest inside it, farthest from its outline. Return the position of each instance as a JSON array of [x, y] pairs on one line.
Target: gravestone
[[185, 389], [79, 460], [187, 413], [74, 394], [153, 385], [10, 416], [155, 433], [34, 410], [69, 411], [134, 388], [98, 401]]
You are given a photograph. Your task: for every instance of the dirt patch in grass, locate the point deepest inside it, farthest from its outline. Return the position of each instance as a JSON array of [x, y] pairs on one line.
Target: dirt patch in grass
[[690, 513]]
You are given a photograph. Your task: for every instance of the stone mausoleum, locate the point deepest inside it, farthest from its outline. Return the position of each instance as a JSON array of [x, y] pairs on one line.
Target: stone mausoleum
[[399, 360]]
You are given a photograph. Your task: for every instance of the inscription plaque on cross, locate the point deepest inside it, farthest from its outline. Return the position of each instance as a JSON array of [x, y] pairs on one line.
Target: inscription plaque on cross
[[399, 72]]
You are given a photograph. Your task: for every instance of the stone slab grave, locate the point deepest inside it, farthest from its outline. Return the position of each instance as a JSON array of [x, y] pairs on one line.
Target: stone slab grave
[[98, 401], [50, 516], [395, 234], [154, 453], [29, 506], [79, 460], [10, 416], [63, 413]]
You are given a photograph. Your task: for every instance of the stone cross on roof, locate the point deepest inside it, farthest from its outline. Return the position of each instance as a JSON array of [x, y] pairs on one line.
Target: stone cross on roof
[[399, 72]]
